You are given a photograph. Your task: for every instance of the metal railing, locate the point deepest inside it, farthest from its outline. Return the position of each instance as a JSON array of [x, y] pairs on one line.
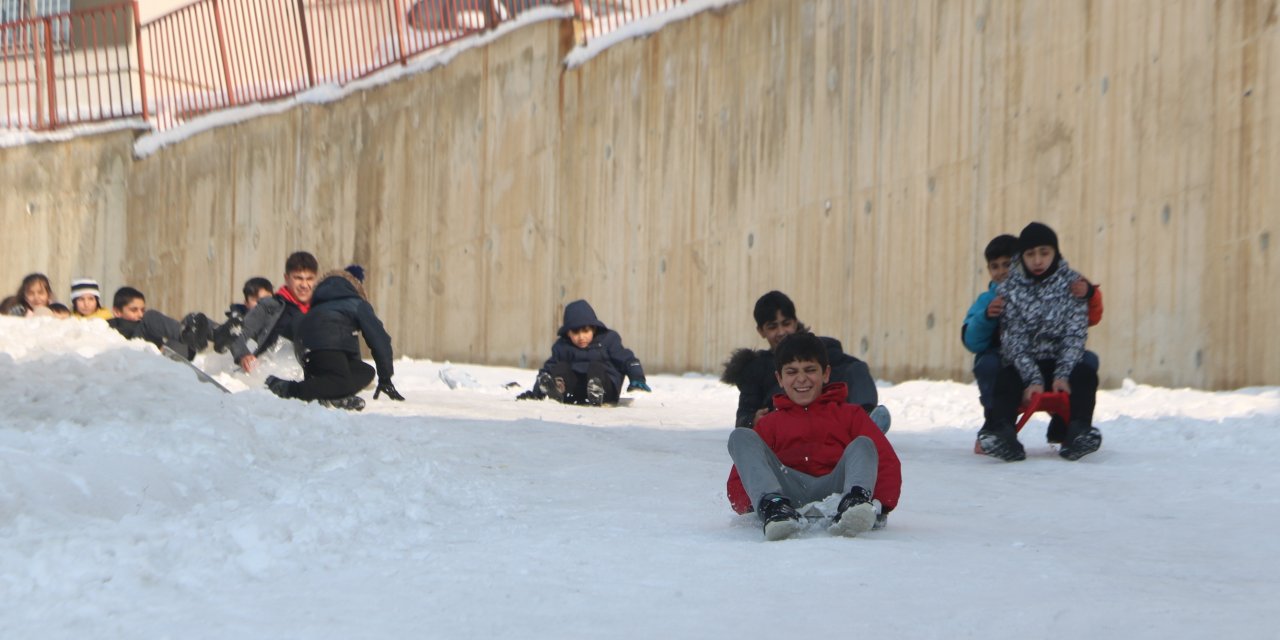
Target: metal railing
[[215, 54], [69, 68]]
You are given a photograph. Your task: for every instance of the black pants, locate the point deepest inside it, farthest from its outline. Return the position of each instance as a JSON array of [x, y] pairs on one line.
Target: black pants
[[332, 374], [1009, 388], [575, 384]]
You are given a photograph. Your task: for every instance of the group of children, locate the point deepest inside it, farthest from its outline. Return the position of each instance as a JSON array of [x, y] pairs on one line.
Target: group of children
[[809, 425]]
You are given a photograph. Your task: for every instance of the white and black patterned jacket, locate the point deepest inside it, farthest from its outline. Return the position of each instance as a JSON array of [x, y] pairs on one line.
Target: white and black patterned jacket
[[1042, 321]]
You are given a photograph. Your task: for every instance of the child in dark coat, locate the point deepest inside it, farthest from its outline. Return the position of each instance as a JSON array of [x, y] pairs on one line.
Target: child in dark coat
[[587, 362], [133, 320], [332, 368], [814, 445]]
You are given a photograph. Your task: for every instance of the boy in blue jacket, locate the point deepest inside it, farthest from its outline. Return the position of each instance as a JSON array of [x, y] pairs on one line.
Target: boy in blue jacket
[[587, 362]]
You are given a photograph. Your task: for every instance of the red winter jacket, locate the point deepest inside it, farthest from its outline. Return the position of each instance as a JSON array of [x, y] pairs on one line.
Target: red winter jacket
[[811, 440]]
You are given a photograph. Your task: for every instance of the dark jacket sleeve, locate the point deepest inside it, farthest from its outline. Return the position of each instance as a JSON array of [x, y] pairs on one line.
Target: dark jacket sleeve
[[257, 325], [379, 341], [623, 358], [755, 391]]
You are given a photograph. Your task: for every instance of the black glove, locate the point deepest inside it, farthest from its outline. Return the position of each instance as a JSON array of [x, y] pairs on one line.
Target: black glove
[[531, 394], [385, 386]]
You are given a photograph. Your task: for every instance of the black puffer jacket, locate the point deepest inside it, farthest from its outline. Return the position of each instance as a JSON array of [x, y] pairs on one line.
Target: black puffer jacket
[[338, 312], [753, 371]]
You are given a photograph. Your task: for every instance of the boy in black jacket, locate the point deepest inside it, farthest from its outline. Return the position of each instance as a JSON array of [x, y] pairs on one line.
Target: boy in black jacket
[[587, 362], [332, 368], [752, 371]]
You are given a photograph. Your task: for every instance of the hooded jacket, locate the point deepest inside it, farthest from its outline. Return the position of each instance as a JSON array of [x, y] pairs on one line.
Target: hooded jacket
[[752, 372], [606, 346], [1042, 321], [268, 321], [812, 439], [339, 311]]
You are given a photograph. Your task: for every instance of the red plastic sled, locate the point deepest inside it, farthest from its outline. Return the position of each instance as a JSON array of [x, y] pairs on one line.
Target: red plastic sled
[[1057, 403]]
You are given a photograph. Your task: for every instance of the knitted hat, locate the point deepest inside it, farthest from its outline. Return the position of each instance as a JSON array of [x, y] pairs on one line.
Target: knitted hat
[[356, 270], [84, 287], [1037, 235]]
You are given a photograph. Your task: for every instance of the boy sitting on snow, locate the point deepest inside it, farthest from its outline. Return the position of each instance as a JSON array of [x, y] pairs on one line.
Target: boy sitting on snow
[[587, 362], [813, 445]]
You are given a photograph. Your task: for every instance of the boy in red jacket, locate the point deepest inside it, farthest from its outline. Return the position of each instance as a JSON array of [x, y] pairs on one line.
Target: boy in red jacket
[[813, 445]]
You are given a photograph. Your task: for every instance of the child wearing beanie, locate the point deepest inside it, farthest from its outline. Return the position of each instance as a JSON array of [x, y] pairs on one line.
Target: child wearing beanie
[[86, 300]]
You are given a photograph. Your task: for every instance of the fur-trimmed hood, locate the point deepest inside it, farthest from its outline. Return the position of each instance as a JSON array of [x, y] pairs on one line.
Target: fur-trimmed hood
[[738, 364], [337, 284]]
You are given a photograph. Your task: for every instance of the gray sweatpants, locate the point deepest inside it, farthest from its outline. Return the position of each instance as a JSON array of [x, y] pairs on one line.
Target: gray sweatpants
[[762, 473]]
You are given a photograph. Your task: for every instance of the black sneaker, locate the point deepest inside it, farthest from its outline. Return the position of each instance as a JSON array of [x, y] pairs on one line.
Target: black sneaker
[[856, 513], [1000, 440], [1082, 440], [781, 520], [279, 386], [348, 403], [549, 388], [196, 332], [595, 392]]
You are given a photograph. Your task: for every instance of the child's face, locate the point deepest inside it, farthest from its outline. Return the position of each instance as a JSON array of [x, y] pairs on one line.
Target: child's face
[[777, 329], [86, 305], [300, 284], [252, 301], [999, 268], [802, 380], [132, 311], [37, 295], [582, 336], [1038, 259]]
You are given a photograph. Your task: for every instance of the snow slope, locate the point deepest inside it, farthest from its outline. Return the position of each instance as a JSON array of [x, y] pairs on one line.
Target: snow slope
[[136, 502]]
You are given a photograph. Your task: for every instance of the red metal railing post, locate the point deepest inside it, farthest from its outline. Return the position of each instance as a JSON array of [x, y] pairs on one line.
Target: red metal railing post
[[50, 76], [398, 7], [222, 51], [142, 71], [306, 43]]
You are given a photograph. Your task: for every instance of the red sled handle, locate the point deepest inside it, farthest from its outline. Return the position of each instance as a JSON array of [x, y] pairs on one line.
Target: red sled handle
[[1056, 403]]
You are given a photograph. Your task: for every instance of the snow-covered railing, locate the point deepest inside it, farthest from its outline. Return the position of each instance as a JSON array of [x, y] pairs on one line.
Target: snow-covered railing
[[209, 55]]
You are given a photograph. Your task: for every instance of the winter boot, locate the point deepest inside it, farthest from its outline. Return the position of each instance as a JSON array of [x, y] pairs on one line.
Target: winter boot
[[595, 392], [999, 439], [550, 387], [781, 520], [348, 403], [1082, 439], [196, 332], [280, 387], [856, 514]]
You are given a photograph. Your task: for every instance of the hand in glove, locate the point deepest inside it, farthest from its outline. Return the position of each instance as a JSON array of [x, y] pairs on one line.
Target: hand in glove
[[531, 394], [385, 386], [638, 385]]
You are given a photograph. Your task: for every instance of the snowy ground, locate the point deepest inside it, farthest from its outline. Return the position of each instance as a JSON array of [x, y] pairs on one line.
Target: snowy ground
[[136, 502]]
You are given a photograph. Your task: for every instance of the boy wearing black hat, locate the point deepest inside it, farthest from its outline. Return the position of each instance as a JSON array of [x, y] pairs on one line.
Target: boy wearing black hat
[[1042, 335]]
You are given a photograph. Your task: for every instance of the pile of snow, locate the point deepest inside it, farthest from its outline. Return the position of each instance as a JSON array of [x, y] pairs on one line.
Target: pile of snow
[[136, 502]]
